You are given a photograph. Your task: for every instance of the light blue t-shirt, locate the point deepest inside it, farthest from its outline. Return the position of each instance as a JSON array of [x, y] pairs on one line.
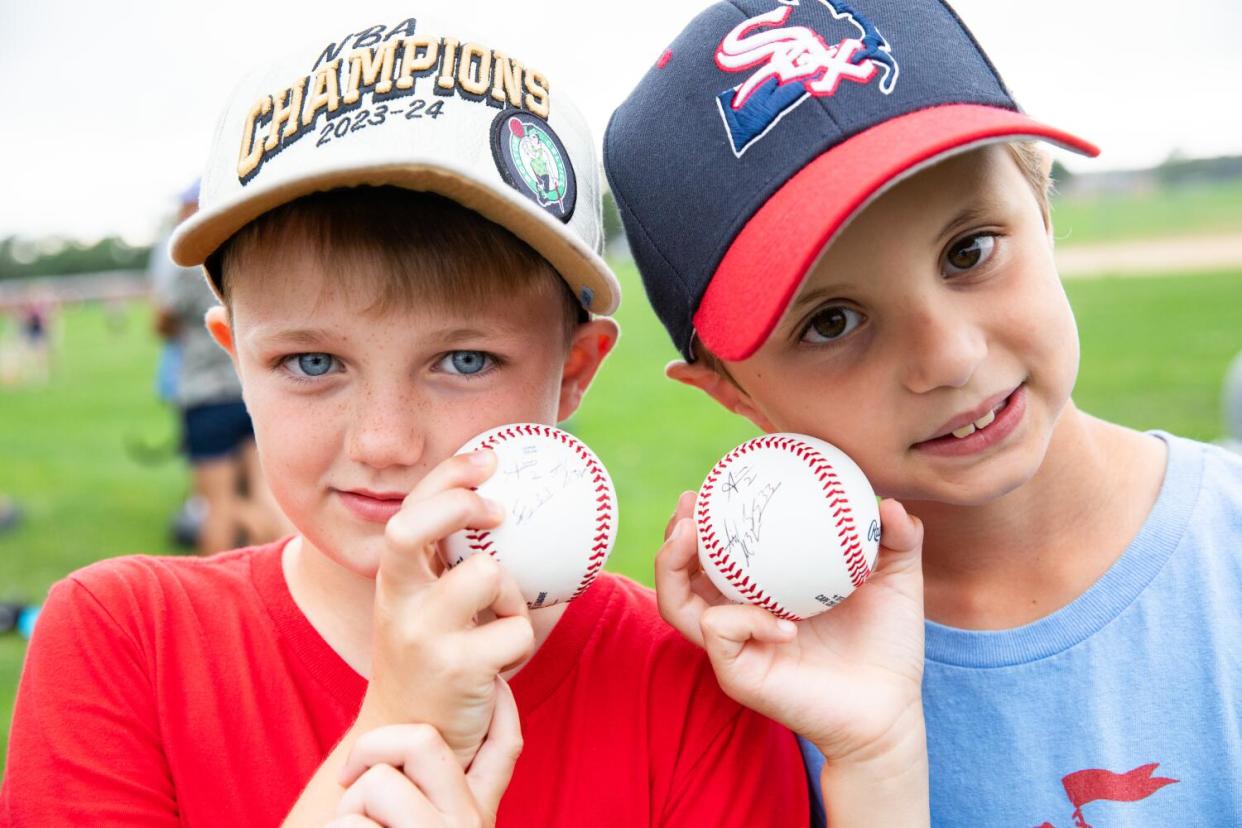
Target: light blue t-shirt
[[1123, 708]]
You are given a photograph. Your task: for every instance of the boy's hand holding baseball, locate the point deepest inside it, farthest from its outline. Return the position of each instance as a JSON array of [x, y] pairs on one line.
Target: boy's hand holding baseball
[[849, 679], [442, 640], [405, 775]]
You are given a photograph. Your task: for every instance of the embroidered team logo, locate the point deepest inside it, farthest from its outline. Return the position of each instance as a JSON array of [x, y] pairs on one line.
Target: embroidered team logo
[[533, 161], [791, 63]]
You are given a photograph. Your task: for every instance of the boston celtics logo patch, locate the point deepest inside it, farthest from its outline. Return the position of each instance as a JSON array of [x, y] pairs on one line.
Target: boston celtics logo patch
[[533, 161]]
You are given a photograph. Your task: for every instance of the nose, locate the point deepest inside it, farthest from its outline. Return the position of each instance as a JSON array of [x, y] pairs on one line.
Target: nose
[[384, 430], [944, 345]]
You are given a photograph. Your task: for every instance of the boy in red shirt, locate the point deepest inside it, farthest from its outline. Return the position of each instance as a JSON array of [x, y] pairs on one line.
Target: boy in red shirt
[[396, 277]]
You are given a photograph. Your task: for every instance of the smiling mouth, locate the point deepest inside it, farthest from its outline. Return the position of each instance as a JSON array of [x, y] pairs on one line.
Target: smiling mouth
[[994, 424], [981, 423]]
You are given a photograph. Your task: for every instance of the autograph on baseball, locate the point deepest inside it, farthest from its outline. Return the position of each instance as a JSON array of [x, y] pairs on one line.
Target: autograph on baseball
[[748, 498], [560, 512], [789, 523], [543, 479]]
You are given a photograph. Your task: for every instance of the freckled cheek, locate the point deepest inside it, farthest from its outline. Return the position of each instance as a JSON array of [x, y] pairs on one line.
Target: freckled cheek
[[297, 441], [532, 396]]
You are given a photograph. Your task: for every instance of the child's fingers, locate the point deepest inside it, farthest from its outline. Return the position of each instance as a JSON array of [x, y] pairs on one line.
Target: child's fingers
[[492, 768], [901, 536], [685, 509], [675, 566], [476, 584], [388, 745], [705, 589], [424, 759], [461, 471], [501, 644], [354, 821], [385, 796], [727, 629], [423, 523]]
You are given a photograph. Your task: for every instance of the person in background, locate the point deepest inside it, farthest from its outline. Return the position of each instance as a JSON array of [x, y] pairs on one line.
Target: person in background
[[198, 377], [35, 321]]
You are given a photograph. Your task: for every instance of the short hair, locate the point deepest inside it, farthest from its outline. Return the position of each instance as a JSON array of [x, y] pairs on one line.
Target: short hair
[[1033, 163], [420, 248]]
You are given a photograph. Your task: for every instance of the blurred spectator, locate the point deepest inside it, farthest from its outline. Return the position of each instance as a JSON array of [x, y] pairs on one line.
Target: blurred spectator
[[236, 503], [10, 513], [35, 317], [10, 348], [162, 274], [1232, 397]]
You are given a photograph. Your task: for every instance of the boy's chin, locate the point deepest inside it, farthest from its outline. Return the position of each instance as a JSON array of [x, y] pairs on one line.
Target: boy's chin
[[975, 488], [357, 552]]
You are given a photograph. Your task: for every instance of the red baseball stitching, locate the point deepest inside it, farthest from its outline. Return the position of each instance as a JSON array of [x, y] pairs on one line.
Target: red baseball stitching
[[481, 541], [821, 468]]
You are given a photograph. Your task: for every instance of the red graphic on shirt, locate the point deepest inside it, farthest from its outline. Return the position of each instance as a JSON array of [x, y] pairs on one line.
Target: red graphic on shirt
[[1094, 785]]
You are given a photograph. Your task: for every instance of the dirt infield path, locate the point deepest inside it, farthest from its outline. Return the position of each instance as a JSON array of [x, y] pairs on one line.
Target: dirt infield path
[[1189, 254]]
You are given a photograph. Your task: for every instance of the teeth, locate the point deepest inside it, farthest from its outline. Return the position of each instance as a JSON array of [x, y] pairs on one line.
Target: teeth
[[970, 428]]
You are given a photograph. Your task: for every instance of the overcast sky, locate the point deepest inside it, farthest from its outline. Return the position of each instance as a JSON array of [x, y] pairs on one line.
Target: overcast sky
[[109, 106]]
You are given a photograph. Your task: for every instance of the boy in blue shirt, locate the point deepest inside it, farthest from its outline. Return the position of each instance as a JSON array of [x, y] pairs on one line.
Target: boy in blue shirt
[[845, 230]]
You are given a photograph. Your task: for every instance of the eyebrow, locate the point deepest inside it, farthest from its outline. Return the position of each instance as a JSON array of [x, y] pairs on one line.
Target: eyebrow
[[298, 336], [310, 337], [457, 334], [814, 297], [966, 217]]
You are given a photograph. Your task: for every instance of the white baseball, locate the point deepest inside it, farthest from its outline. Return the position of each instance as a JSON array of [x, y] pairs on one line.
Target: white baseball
[[560, 512], [789, 523]]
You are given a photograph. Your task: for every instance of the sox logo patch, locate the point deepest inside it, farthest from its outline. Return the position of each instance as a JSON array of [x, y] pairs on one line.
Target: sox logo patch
[[788, 64]]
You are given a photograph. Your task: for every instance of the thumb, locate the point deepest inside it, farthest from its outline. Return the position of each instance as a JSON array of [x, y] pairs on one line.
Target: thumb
[[901, 537]]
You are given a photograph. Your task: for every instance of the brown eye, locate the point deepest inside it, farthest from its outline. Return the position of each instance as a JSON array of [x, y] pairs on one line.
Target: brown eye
[[971, 251], [831, 323]]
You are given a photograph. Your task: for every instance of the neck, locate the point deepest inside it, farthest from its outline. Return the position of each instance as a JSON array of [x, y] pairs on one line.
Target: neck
[[1035, 549], [340, 604]]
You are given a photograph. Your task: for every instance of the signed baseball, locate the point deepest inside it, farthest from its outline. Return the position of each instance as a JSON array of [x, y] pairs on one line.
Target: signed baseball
[[789, 523], [560, 512]]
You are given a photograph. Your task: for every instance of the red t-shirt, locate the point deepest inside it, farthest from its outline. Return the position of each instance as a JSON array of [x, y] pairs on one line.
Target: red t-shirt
[[165, 691]]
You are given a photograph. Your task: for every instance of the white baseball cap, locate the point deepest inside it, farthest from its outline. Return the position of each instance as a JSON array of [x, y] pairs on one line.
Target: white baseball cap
[[420, 104]]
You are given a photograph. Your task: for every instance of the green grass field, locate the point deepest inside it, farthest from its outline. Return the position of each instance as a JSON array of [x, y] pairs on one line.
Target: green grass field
[[1175, 211], [1154, 352]]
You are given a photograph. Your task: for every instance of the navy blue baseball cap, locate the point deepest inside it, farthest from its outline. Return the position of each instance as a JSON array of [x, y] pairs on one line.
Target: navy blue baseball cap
[[766, 125]]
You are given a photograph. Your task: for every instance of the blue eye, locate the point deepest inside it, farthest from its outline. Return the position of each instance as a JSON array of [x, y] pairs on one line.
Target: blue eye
[[314, 365], [465, 363]]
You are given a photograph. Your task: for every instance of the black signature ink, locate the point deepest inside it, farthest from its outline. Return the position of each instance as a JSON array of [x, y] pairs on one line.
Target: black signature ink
[[541, 484], [745, 477], [750, 523]]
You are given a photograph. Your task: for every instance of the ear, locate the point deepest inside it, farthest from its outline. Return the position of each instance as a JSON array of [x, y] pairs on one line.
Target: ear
[[221, 329], [591, 343], [721, 389]]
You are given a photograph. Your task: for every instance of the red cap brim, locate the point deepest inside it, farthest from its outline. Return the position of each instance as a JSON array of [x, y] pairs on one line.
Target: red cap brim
[[762, 270]]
